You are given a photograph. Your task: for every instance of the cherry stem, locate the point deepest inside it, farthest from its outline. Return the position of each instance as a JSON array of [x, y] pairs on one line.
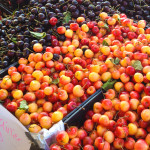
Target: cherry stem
[[29, 49], [116, 115], [84, 85], [38, 21], [122, 148]]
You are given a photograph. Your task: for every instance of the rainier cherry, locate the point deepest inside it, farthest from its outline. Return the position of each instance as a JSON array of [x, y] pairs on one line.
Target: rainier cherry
[[62, 138], [116, 32], [141, 145], [74, 26]]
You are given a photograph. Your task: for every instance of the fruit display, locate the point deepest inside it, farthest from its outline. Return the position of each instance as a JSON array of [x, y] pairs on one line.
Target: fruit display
[[31, 24], [66, 51], [47, 86], [121, 119], [37, 23], [104, 129]]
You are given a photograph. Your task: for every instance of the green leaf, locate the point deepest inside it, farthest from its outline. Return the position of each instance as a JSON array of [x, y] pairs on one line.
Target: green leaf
[[115, 61], [38, 35], [105, 43], [119, 20], [1, 101], [13, 13], [67, 17], [106, 26], [14, 40], [23, 105], [137, 65], [56, 81], [109, 84]]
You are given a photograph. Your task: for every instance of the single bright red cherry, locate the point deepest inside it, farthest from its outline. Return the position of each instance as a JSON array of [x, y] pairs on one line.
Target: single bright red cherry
[[95, 29], [53, 21], [116, 32]]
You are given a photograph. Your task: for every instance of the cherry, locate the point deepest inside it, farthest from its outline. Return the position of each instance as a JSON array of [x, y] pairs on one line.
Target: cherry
[[147, 90], [95, 48], [116, 32], [90, 24], [53, 21], [86, 83], [55, 42], [74, 26], [95, 29], [71, 106], [130, 70]]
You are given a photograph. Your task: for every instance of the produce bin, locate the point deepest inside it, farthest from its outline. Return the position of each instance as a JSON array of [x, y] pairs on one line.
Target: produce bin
[[77, 116], [91, 99], [44, 138], [5, 9], [4, 72]]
